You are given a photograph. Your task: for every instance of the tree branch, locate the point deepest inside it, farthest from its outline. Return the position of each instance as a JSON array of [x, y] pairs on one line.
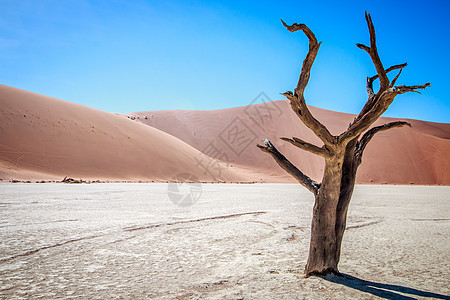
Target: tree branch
[[401, 89], [297, 99], [300, 108], [373, 52], [395, 78], [296, 27], [390, 69], [284, 163], [363, 47], [370, 92], [367, 137], [369, 86], [377, 103], [306, 146], [364, 121], [310, 57]]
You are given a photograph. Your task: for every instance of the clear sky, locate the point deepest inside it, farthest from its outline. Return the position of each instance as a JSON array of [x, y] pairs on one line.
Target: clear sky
[[134, 55]]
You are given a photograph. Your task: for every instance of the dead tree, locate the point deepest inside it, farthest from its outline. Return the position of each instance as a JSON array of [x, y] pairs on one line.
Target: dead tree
[[342, 153]]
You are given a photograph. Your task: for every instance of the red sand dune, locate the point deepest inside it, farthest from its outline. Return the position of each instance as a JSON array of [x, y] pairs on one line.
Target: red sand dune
[[47, 138], [406, 155]]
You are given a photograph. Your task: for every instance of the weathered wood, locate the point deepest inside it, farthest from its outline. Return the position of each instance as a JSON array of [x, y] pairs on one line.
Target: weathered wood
[[348, 179], [371, 93], [323, 244], [297, 99], [373, 52], [377, 103], [410, 88], [322, 151], [342, 154], [284, 163]]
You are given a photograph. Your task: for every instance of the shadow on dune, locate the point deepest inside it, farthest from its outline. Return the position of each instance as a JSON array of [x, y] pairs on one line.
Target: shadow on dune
[[383, 290]]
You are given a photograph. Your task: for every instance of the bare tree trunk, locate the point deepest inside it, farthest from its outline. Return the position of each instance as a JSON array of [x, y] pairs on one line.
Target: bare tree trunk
[[342, 153], [323, 245], [333, 214], [348, 180]]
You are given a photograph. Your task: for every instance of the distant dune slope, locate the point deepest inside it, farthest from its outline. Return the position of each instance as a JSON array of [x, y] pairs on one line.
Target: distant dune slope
[[416, 155], [47, 138]]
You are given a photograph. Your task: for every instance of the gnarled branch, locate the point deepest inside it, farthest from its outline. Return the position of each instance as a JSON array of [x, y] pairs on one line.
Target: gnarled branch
[[401, 89], [300, 108], [367, 137], [373, 52], [363, 122], [310, 57], [377, 103], [371, 94], [297, 99], [306, 146], [283, 162]]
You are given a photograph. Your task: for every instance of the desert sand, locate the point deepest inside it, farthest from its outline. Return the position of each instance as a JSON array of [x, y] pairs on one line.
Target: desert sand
[[111, 241], [47, 138]]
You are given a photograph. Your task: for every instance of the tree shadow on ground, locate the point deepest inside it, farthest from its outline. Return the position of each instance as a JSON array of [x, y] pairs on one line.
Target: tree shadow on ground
[[383, 290]]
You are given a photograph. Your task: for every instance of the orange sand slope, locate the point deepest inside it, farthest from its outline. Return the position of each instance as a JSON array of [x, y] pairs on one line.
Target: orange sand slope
[[416, 155], [47, 138]]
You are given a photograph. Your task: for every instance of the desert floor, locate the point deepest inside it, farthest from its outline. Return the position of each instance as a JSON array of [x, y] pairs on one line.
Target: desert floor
[[103, 241]]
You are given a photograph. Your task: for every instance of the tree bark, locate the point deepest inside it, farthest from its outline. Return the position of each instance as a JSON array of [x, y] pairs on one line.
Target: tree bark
[[349, 168], [324, 243]]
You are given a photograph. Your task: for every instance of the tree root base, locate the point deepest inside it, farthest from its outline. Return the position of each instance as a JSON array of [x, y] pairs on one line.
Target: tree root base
[[330, 271]]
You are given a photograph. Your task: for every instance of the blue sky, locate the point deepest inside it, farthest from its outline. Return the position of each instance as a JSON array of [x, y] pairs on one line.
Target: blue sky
[[126, 56]]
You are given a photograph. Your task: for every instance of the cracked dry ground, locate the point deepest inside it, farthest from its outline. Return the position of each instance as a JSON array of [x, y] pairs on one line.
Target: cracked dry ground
[[237, 242]]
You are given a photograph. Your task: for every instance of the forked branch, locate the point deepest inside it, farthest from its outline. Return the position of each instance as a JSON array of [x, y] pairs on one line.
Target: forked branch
[[284, 163], [373, 52], [395, 78], [371, 94], [300, 108], [377, 103]]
